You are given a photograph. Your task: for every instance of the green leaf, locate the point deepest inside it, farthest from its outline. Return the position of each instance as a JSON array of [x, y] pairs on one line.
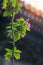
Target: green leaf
[[7, 56], [16, 36], [8, 27], [4, 5], [17, 56], [28, 29], [8, 50], [8, 53], [16, 50], [17, 53], [9, 31], [5, 14]]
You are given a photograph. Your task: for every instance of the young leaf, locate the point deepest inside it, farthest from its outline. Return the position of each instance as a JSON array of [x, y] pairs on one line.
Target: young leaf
[[28, 29], [5, 14], [17, 56], [16, 50], [7, 56], [8, 50]]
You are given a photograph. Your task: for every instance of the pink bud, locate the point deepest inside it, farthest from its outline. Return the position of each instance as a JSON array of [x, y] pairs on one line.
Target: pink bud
[[28, 25], [27, 20], [22, 36]]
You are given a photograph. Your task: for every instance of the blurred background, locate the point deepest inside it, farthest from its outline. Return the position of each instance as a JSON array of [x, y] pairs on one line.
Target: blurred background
[[32, 44]]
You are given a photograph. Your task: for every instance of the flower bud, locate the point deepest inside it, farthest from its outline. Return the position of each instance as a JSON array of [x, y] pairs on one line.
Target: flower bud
[[27, 20], [28, 25], [22, 36]]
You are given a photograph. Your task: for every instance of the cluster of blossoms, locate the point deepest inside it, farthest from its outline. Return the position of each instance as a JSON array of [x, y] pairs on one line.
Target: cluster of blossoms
[[28, 24]]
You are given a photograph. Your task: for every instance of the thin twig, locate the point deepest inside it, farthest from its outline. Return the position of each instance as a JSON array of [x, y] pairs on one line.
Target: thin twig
[[13, 16]]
